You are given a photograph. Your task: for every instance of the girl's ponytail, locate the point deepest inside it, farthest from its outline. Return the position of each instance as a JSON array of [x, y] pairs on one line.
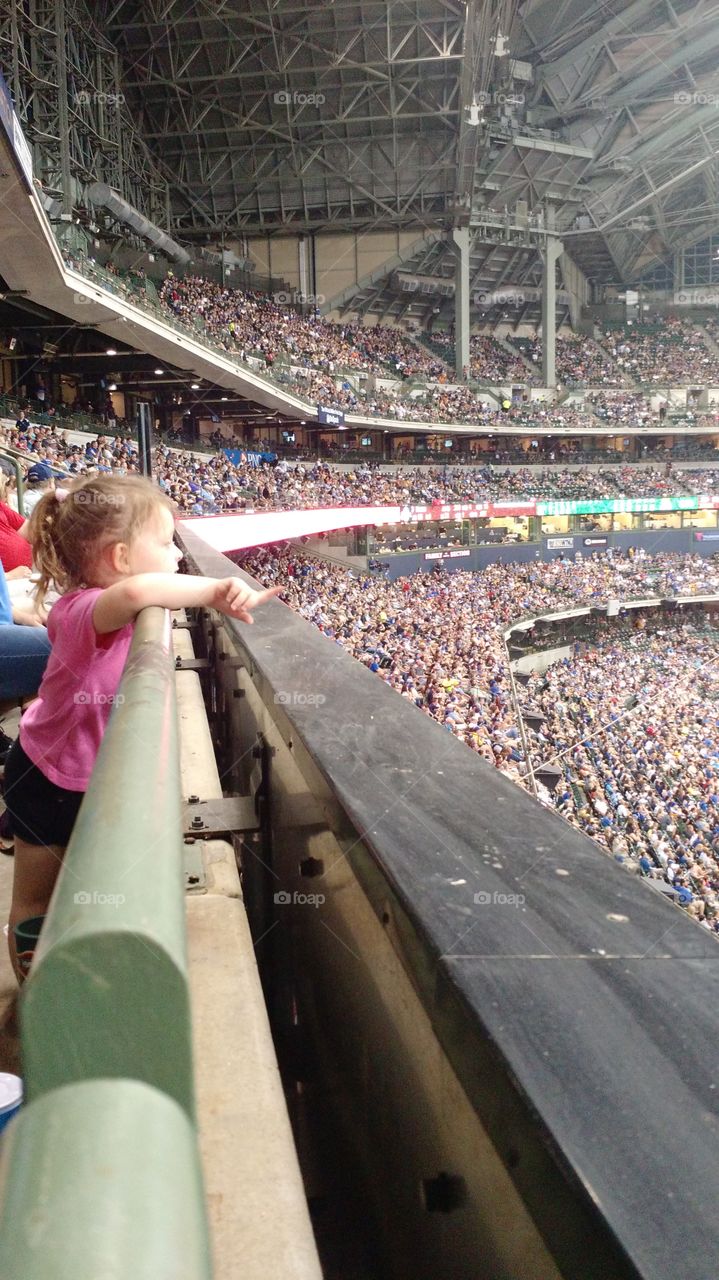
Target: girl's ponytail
[[42, 535], [70, 529]]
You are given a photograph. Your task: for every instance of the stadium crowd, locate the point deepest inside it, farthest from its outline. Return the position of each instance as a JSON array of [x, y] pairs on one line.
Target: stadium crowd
[[436, 639], [208, 483], [490, 361], [579, 361], [259, 324], [673, 352], [632, 720]]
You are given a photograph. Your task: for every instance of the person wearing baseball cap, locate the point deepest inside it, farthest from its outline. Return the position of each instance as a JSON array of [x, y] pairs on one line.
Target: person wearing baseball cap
[[38, 480]]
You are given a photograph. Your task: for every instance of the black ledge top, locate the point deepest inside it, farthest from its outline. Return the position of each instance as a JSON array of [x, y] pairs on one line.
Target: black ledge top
[[600, 998]]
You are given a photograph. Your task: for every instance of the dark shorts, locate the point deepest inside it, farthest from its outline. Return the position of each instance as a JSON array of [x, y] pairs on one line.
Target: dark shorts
[[40, 813]]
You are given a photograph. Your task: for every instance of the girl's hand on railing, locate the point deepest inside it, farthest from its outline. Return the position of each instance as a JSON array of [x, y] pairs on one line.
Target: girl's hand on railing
[[236, 600]]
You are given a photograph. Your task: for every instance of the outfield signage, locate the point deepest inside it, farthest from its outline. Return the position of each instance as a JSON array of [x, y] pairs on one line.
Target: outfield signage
[[330, 417], [446, 555], [597, 506]]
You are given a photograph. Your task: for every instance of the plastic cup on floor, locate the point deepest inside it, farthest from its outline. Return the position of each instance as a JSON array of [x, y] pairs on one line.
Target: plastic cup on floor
[[10, 1097], [26, 936]]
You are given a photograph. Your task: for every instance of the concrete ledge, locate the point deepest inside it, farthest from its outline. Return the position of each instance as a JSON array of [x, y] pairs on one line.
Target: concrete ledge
[[257, 1210], [259, 1222]]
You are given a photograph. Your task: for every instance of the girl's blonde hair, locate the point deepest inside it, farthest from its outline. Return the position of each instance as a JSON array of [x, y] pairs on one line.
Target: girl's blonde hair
[[69, 530]]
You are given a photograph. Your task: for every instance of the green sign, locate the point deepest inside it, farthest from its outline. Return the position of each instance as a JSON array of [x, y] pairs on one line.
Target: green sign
[[568, 507]]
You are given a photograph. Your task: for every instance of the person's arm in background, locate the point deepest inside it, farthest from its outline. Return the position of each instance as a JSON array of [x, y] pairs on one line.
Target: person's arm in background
[[16, 522], [28, 617], [6, 617]]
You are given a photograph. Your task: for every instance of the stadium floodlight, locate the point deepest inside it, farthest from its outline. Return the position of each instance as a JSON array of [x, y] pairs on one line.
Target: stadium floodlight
[[195, 386], [159, 370], [111, 351]]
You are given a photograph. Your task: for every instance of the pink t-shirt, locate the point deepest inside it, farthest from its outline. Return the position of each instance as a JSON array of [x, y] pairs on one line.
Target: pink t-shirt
[[62, 730]]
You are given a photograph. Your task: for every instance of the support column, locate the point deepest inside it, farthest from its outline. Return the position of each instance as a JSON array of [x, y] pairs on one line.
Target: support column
[[460, 237], [552, 252], [63, 116], [678, 270]]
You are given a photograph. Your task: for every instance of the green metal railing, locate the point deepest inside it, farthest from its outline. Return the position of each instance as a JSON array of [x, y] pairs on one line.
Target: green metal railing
[[102, 1179], [105, 1014], [13, 457]]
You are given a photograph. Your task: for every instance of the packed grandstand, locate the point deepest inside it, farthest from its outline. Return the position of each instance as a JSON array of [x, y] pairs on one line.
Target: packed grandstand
[[643, 788], [642, 782], [206, 484], [322, 360], [359, 639]]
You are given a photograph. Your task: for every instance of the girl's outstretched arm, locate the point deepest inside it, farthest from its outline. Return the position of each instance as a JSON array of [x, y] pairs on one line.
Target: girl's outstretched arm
[[120, 603]]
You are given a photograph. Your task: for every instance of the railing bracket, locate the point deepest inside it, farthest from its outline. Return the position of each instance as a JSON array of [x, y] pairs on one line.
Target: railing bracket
[[221, 817]]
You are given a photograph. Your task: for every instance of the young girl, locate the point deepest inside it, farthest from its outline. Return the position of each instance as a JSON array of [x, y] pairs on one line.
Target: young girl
[[108, 547]]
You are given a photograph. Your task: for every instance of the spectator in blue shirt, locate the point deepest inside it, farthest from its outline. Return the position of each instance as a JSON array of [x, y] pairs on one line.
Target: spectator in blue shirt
[[24, 651]]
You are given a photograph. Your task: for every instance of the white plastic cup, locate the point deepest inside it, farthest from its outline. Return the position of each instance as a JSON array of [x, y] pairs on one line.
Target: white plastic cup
[[10, 1097]]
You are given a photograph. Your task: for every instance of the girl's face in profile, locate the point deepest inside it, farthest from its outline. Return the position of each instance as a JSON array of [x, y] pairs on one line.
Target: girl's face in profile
[[153, 549]]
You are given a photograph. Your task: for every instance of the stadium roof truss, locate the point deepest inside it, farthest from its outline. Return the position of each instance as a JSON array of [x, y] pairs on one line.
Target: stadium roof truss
[[265, 117]]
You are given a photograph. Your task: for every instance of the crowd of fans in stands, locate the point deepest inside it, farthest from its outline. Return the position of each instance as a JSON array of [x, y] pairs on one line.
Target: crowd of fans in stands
[[579, 361], [207, 483], [633, 721], [257, 324], [436, 639], [673, 352]]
